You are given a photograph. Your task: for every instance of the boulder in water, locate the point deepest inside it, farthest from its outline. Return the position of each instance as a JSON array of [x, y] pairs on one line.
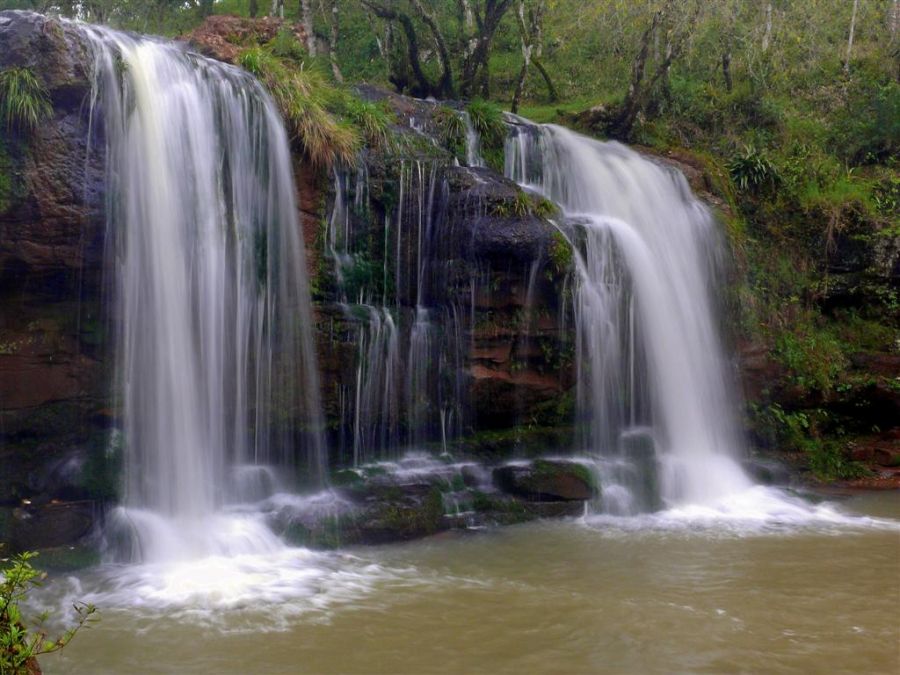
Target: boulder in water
[[547, 480]]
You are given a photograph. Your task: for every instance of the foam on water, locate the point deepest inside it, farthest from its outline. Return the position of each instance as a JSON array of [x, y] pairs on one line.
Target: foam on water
[[757, 510]]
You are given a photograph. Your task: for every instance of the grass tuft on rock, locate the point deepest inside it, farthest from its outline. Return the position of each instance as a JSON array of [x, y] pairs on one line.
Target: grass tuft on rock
[[24, 101]]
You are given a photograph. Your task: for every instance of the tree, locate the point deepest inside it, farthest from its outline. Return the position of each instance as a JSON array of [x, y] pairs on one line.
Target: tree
[[531, 34], [476, 24], [641, 90], [306, 20]]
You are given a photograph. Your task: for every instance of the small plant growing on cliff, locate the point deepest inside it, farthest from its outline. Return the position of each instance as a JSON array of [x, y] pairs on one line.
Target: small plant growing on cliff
[[372, 119], [19, 645], [301, 95], [452, 128], [488, 122], [23, 99]]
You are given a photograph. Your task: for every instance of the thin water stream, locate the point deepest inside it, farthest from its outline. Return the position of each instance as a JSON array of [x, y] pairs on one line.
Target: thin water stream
[[651, 595]]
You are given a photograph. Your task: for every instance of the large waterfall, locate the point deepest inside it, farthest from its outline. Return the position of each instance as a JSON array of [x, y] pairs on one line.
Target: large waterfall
[[216, 369], [654, 392]]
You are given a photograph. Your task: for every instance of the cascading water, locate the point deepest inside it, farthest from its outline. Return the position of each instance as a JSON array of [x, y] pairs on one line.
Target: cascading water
[[406, 390], [215, 358], [654, 392]]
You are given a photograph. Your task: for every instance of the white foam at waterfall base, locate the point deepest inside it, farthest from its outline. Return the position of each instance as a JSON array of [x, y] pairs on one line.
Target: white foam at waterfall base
[[758, 510], [251, 592]]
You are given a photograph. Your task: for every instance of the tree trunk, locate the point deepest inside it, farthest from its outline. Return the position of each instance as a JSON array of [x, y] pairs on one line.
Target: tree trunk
[[332, 43], [306, 20], [424, 87], [475, 66], [525, 39], [445, 86], [767, 35], [850, 38], [551, 90], [624, 121], [893, 20], [254, 8]]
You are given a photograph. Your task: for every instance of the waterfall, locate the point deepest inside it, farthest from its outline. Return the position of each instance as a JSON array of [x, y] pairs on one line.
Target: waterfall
[[473, 142], [654, 394], [215, 361], [406, 389]]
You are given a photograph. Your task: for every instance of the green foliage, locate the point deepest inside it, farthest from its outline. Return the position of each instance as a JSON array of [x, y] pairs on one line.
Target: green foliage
[[303, 95], [752, 171], [561, 254], [524, 204], [813, 356], [867, 130], [24, 101], [828, 461], [374, 120], [452, 130], [20, 645], [359, 275], [487, 119]]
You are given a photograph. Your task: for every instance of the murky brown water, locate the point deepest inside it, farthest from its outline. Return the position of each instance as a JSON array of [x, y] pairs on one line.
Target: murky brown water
[[560, 597]]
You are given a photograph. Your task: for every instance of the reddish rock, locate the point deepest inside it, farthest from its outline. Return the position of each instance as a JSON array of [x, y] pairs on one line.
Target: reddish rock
[[224, 37]]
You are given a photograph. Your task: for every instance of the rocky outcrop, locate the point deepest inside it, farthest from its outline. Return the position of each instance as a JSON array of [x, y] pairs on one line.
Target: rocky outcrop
[[419, 496], [224, 37], [547, 480], [53, 371]]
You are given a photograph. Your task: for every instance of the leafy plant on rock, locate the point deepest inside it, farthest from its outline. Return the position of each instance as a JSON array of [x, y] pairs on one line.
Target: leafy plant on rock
[[20, 645]]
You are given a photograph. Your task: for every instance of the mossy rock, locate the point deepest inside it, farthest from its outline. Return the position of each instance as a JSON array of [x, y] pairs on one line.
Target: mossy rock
[[547, 480]]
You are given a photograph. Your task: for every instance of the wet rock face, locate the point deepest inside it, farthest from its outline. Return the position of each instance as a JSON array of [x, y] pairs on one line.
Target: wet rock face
[[465, 245], [52, 192]]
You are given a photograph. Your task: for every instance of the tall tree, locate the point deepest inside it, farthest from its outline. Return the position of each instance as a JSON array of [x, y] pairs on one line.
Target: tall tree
[[641, 89]]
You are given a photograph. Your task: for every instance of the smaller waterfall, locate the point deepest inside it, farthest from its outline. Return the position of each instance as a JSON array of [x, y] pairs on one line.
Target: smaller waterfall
[[406, 389], [473, 143], [654, 391]]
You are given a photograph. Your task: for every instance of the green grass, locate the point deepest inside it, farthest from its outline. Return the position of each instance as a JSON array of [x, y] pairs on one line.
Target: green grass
[[24, 101]]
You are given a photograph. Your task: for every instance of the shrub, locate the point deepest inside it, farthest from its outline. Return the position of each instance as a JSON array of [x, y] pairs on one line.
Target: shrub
[[752, 171], [19, 646], [813, 356]]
